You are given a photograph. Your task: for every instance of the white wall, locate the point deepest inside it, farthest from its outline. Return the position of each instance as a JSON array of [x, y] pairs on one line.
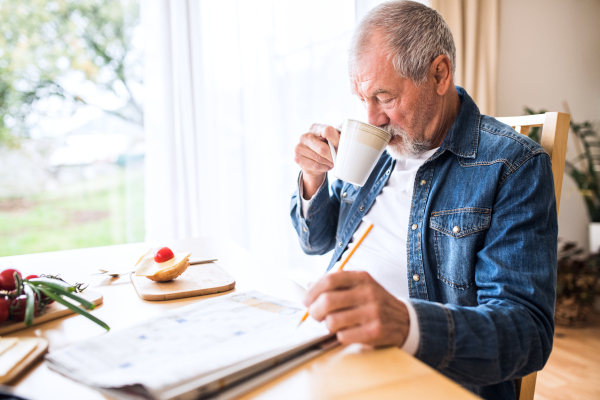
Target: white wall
[[550, 54]]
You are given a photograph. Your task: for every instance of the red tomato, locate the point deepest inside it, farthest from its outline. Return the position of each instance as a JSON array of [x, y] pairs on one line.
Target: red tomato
[[18, 305], [31, 277], [4, 308], [164, 254], [47, 299], [7, 279]]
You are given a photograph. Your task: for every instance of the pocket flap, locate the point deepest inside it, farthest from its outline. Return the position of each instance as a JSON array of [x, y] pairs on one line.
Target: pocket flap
[[461, 221], [349, 193]]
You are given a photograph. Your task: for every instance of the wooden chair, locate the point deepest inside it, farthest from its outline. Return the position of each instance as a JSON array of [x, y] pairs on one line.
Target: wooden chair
[[555, 130]]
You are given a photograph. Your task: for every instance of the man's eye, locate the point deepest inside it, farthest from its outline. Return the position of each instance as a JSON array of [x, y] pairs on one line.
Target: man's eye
[[386, 101]]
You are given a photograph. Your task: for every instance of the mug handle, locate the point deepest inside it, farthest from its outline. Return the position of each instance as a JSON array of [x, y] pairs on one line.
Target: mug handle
[[333, 152]]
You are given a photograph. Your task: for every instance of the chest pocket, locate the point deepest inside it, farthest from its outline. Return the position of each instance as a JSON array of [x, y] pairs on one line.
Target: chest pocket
[[458, 235]]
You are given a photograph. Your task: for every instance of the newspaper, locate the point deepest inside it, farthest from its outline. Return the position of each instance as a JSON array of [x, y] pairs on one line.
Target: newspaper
[[186, 344]]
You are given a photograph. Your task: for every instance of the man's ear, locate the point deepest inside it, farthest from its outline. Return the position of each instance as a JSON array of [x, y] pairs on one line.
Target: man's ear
[[442, 74]]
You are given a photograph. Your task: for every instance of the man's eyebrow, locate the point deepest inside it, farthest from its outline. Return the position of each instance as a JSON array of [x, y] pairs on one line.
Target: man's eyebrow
[[379, 91]]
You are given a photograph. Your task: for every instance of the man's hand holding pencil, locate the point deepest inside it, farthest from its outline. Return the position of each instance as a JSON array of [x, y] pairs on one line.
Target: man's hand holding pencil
[[357, 308]]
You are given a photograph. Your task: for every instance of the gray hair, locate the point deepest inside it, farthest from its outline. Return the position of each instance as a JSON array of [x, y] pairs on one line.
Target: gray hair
[[413, 36]]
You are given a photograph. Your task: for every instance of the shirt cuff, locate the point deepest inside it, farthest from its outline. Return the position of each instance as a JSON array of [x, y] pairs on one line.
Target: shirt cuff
[[304, 203], [411, 344]]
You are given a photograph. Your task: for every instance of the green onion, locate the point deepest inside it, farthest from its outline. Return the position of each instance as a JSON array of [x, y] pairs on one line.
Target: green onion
[[52, 283], [48, 292], [38, 293], [19, 283], [87, 304], [30, 305]]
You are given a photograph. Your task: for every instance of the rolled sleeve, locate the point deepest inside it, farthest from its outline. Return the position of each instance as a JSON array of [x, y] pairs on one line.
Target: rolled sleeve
[[315, 222], [305, 204]]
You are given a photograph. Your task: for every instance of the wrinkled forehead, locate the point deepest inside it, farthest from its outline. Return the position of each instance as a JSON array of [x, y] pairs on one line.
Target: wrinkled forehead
[[375, 71]]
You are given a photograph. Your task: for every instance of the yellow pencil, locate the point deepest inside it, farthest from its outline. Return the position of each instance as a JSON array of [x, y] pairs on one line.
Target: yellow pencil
[[345, 261]]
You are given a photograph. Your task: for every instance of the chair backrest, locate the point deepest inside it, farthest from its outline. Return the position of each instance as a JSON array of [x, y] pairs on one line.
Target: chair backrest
[[555, 131]]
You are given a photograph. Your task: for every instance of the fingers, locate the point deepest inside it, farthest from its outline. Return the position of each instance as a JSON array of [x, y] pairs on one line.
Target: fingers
[[317, 144], [312, 154], [336, 281], [312, 160], [370, 333], [335, 300], [327, 132], [376, 324], [346, 318]]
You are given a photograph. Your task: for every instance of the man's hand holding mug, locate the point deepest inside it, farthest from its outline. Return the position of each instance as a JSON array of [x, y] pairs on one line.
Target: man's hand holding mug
[[358, 147], [313, 156]]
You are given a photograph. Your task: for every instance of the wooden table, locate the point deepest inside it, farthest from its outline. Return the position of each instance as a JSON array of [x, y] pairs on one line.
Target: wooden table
[[351, 372]]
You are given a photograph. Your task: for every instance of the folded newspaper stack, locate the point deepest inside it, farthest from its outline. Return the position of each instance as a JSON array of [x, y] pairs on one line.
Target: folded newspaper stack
[[196, 350]]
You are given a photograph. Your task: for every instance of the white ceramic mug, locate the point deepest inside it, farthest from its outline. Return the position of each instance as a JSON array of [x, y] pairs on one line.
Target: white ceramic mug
[[360, 147]]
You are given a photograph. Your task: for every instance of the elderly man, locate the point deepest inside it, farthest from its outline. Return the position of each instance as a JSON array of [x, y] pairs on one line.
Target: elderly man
[[460, 267]]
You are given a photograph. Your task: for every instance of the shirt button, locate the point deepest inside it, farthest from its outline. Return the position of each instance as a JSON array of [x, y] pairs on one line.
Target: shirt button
[[456, 229], [414, 227], [387, 172], [416, 277], [362, 208], [423, 182], [340, 244], [305, 229], [345, 194]]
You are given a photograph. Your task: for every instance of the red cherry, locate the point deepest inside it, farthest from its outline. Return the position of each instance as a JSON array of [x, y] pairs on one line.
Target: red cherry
[[7, 279], [163, 254], [4, 309], [31, 277]]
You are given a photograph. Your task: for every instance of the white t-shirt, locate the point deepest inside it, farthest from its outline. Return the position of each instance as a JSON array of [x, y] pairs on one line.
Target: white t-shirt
[[383, 253]]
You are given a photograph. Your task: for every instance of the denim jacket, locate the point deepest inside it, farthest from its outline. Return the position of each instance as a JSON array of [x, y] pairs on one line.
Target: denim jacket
[[482, 249]]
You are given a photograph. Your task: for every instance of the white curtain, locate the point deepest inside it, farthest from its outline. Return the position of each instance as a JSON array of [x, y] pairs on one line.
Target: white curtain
[[230, 87]]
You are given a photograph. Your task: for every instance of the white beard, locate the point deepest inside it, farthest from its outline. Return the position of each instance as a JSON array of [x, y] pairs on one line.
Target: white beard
[[409, 147]]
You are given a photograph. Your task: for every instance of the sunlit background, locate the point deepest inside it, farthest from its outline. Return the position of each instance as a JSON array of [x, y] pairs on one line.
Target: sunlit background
[[123, 121], [73, 149]]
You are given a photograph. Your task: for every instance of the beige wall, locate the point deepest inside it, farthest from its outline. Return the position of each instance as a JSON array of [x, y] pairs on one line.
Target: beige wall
[[549, 54]]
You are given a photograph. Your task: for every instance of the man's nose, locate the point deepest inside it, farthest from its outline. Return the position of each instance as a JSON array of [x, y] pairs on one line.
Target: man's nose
[[376, 115]]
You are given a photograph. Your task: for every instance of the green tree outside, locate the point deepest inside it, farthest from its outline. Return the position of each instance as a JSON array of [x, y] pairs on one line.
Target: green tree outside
[[42, 42]]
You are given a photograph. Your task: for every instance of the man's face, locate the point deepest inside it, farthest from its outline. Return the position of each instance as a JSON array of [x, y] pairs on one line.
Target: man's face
[[395, 104]]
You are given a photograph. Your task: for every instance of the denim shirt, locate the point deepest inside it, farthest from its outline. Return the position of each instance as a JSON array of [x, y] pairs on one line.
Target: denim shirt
[[482, 249]]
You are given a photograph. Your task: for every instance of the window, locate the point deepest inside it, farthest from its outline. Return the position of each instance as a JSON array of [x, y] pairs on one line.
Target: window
[[71, 134]]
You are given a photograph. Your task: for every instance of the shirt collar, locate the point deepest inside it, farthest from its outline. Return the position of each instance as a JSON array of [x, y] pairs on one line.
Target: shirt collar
[[463, 137]]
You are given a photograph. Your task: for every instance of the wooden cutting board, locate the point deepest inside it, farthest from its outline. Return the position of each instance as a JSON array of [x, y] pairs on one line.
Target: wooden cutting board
[[50, 312], [197, 280], [27, 362]]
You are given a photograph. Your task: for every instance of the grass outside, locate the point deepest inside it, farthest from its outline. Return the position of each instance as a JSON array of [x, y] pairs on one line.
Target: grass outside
[[98, 212]]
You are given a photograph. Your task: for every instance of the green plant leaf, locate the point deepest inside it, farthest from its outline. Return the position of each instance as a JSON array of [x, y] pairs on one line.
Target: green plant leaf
[[585, 174], [73, 307]]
